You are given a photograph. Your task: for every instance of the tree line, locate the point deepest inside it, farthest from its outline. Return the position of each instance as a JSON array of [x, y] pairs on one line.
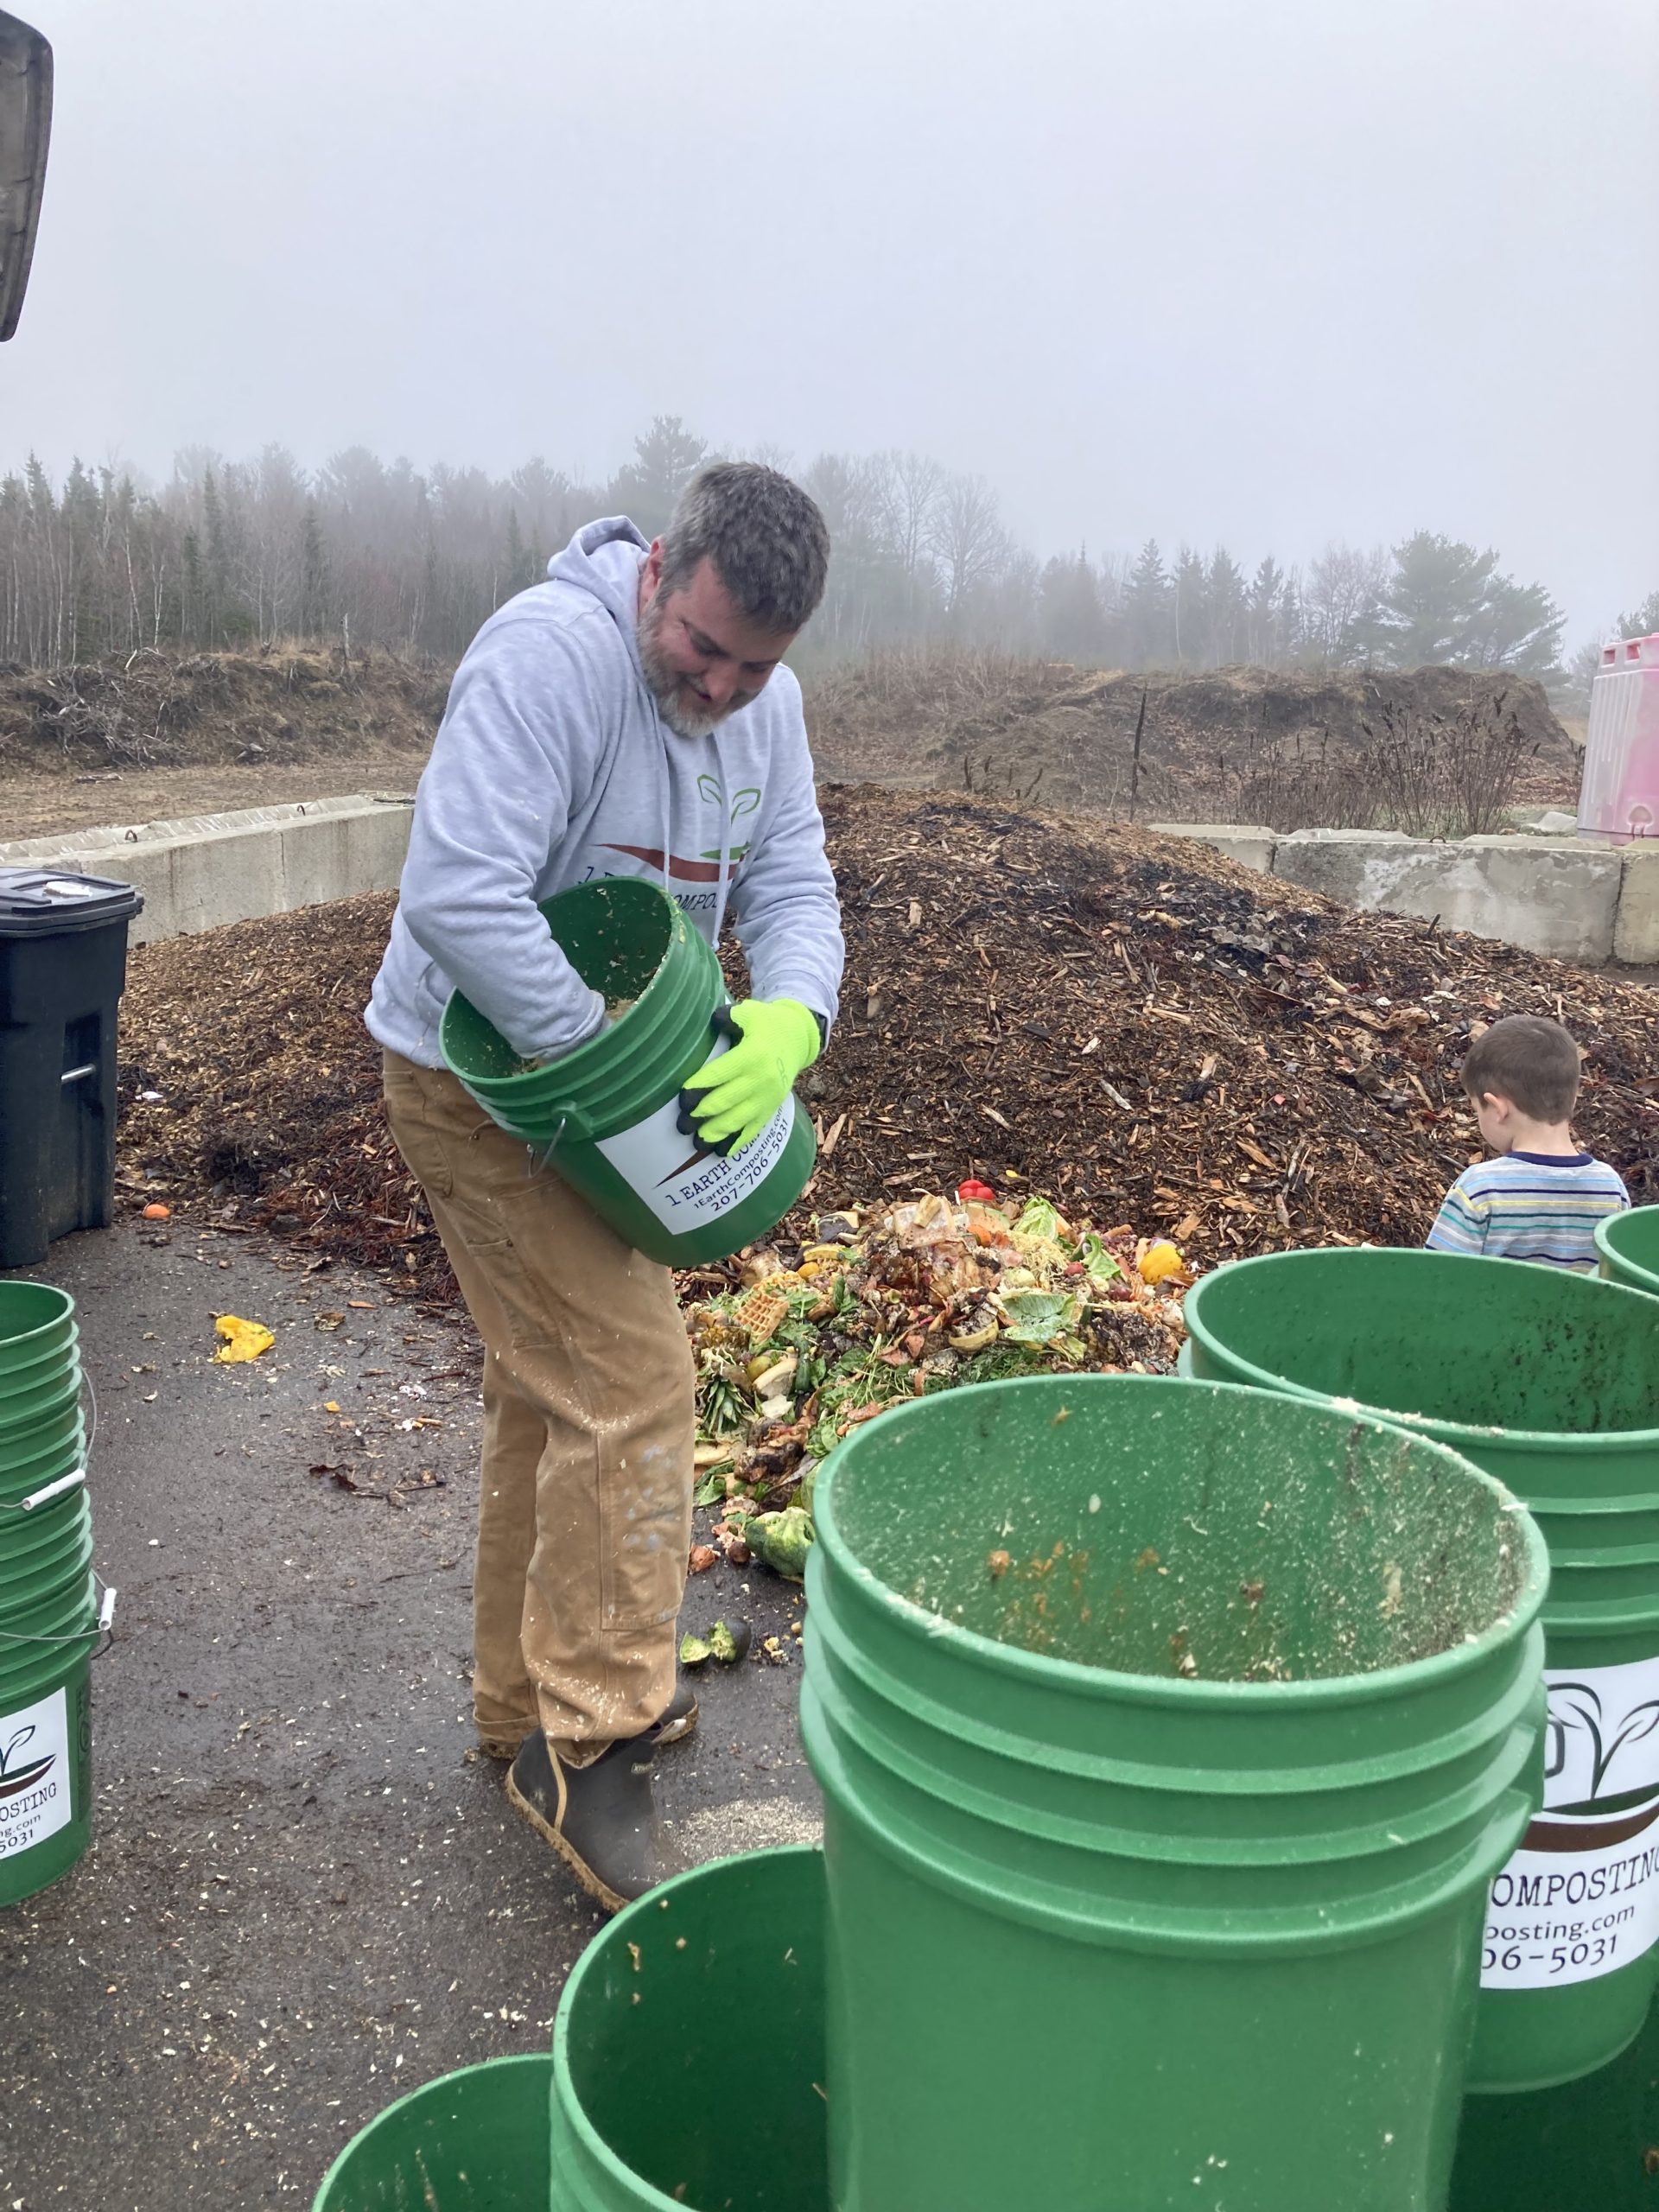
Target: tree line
[[239, 553]]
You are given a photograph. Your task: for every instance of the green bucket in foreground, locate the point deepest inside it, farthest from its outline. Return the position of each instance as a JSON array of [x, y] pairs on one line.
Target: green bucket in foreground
[[1629, 1245], [473, 2141], [1169, 1736], [46, 1759], [1550, 1381], [1590, 2145], [605, 1116], [37, 1326], [714, 1980]]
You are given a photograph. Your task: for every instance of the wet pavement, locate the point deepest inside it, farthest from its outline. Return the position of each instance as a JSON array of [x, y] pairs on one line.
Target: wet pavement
[[306, 1893]]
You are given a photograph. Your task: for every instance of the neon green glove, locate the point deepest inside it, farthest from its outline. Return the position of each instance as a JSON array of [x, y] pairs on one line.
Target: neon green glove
[[744, 1087]]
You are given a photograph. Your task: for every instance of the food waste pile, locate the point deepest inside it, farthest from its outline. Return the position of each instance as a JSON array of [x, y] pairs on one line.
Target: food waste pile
[[801, 1342]]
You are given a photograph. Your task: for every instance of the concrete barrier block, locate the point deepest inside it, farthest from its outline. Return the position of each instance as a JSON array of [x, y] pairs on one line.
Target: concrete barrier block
[[228, 875], [1249, 843], [340, 853], [1555, 895], [1356, 868], [377, 844], [1636, 933]]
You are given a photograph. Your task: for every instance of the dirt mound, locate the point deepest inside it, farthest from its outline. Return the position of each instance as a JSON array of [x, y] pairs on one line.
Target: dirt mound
[[1027, 729], [1133, 1024], [210, 709]]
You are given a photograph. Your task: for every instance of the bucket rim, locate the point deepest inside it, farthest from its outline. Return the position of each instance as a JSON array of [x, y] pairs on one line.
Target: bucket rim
[[1117, 1686], [506, 1091], [390, 2115], [1432, 1426], [64, 1310], [574, 2111], [1641, 1278]]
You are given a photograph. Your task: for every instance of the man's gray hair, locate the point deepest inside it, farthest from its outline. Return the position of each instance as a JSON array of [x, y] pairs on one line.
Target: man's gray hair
[[765, 536]]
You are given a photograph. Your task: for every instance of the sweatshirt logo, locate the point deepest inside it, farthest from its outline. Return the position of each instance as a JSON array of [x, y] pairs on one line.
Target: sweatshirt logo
[[705, 868]]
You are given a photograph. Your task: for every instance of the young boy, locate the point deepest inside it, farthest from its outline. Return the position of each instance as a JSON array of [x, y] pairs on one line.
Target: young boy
[[1540, 1197]]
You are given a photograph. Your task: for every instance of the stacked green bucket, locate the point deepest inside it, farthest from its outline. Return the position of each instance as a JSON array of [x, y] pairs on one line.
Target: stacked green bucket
[[605, 1116], [1170, 1735], [1551, 1383], [1629, 1245], [49, 1604]]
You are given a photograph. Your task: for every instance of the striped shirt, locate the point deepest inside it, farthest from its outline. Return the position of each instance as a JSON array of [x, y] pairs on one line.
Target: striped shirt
[[1531, 1206]]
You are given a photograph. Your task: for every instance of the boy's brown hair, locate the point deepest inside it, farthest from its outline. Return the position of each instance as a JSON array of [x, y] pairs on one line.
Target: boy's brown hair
[[1527, 1059]]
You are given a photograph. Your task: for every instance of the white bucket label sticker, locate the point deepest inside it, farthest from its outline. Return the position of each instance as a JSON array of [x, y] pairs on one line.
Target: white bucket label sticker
[[685, 1185], [34, 1775], [1580, 1897]]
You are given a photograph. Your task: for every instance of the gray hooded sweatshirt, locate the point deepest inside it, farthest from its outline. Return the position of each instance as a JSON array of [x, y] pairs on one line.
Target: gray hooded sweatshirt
[[552, 767]]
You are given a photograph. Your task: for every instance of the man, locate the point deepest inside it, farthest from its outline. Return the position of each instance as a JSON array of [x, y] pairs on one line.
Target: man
[[628, 717]]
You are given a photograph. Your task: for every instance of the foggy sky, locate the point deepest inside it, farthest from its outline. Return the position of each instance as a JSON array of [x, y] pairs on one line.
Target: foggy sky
[[1264, 274]]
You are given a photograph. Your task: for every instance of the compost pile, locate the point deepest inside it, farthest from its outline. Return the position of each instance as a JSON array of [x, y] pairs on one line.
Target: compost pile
[[1134, 1025], [805, 1341]]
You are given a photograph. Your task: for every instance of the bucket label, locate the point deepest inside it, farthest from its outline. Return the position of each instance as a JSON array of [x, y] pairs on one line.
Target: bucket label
[[1580, 1898], [685, 1187], [34, 1774]]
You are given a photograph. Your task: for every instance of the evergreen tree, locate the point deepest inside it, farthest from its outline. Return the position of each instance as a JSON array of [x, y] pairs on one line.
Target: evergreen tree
[[1148, 610], [1070, 624], [1264, 608], [1226, 611], [1190, 607], [665, 461], [314, 574]]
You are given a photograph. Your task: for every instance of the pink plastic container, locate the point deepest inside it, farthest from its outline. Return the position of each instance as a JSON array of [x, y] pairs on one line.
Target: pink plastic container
[[1618, 800]]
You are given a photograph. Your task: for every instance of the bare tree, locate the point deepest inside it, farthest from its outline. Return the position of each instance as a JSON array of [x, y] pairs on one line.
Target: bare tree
[[909, 490], [966, 535], [1345, 585]]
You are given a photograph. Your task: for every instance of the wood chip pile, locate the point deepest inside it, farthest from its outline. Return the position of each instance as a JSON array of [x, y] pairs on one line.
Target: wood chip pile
[[1132, 1026]]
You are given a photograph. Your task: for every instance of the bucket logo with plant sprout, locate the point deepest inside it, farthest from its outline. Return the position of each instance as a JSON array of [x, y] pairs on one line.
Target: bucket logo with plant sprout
[[1580, 1898], [34, 1795]]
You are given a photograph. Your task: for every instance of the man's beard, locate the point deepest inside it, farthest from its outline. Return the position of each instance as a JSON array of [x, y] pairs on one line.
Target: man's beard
[[677, 704]]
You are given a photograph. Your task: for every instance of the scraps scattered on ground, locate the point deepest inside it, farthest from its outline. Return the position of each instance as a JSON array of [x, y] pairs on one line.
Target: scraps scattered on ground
[[1136, 1027], [804, 1342]]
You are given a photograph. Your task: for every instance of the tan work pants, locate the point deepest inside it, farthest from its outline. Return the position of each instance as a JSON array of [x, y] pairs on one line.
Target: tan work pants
[[585, 1509]]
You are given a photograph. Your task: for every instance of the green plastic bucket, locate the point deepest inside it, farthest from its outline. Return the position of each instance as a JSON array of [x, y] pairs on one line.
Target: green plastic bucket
[[36, 1546], [59, 1630], [37, 1324], [27, 1414], [716, 1979], [1629, 1245], [52, 1441], [1589, 2145], [475, 2141], [1169, 1736], [1550, 1381], [44, 1484], [45, 1752], [606, 1116], [62, 1603]]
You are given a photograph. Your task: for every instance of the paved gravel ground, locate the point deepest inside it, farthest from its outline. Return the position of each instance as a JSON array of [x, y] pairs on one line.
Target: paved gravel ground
[[306, 1893]]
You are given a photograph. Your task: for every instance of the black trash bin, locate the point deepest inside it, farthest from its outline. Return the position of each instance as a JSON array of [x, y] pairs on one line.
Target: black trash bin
[[63, 964]]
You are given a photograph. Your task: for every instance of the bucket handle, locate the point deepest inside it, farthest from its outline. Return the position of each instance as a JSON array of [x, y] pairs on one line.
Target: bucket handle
[[73, 1480], [101, 1633], [76, 1475], [540, 1159]]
